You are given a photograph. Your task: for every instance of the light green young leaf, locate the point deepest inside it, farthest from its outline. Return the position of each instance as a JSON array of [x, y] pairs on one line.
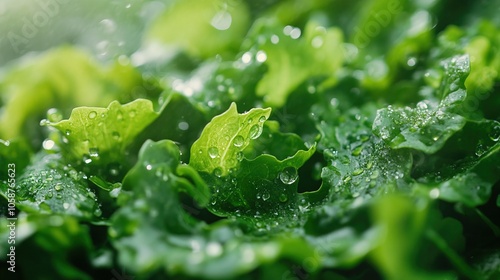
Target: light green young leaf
[[246, 177], [428, 126], [202, 28], [62, 78], [219, 148], [101, 135], [402, 227], [292, 60]]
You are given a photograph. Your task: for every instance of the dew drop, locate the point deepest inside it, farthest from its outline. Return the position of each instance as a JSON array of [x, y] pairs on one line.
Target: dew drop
[[218, 172], [54, 115], [44, 122], [94, 152], [50, 194], [65, 205], [213, 152], [87, 159], [480, 149], [422, 105], [262, 119], [239, 156], [108, 25], [358, 171], [222, 20], [255, 131], [369, 165], [434, 193], [288, 175], [261, 56], [183, 126], [283, 197], [265, 196], [97, 212], [295, 33], [92, 114], [238, 141], [495, 133], [317, 42], [275, 39], [357, 151], [246, 57], [48, 144]]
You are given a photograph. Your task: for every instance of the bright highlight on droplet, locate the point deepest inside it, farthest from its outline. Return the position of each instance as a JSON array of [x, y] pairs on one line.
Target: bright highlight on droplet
[[261, 56], [183, 126], [275, 39], [246, 57], [222, 20], [48, 144], [434, 193], [295, 33]]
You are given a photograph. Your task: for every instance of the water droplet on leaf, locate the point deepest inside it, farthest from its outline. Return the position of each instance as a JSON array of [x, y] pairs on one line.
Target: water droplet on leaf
[[238, 141], [495, 133], [54, 115], [94, 152], [265, 196], [288, 175], [213, 152], [255, 131], [218, 172]]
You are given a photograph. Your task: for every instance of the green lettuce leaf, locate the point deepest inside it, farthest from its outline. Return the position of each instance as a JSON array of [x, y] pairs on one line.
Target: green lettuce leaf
[[360, 164], [245, 181], [410, 231], [62, 237], [428, 126], [199, 27], [63, 78], [290, 59], [218, 150], [100, 136], [48, 185], [155, 233]]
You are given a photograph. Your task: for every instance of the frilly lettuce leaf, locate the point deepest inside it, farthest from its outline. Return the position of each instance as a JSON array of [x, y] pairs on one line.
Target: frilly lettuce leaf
[[100, 136], [155, 233], [202, 28], [244, 179], [289, 56], [430, 124], [63, 78], [50, 186], [224, 138]]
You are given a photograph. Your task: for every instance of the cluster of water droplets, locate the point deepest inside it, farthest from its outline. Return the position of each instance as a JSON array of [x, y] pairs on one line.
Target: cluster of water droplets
[[59, 191]]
